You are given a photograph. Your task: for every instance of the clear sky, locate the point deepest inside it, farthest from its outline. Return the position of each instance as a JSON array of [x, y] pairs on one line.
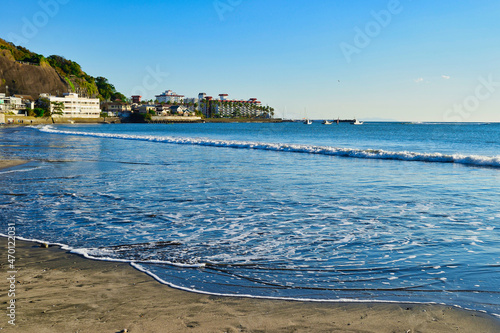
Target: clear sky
[[408, 60]]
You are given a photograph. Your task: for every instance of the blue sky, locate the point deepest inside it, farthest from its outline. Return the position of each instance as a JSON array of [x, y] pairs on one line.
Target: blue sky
[[408, 60]]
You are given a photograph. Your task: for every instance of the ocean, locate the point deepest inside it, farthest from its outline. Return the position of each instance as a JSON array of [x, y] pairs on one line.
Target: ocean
[[383, 212]]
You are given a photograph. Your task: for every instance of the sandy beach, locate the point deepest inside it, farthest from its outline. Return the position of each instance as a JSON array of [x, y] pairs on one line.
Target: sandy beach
[[57, 291], [10, 163]]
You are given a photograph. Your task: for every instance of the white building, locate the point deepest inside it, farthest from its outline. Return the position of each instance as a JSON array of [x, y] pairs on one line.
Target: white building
[[11, 103], [225, 107], [76, 107], [169, 96], [191, 100]]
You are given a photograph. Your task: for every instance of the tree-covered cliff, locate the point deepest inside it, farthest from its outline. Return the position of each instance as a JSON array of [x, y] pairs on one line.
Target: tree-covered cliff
[[29, 73]]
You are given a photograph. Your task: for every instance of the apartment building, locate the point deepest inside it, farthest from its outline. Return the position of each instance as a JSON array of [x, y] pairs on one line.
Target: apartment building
[[75, 106]]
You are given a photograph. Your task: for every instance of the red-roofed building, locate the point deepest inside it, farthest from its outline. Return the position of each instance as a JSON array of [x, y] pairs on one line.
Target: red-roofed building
[[136, 99], [230, 108], [223, 97]]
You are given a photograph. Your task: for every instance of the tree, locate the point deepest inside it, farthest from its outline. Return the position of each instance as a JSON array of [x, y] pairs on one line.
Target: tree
[[44, 104], [58, 108], [106, 89], [39, 112], [68, 67], [118, 97]]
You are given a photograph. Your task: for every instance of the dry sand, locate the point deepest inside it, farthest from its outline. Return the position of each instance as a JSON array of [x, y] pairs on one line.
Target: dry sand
[[61, 292]]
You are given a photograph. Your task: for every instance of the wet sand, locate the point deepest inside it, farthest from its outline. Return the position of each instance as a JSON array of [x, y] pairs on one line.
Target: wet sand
[[10, 163], [57, 291]]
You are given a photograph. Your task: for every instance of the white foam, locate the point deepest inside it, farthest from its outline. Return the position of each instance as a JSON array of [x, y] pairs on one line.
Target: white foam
[[19, 170], [136, 265], [472, 160], [339, 300], [86, 253]]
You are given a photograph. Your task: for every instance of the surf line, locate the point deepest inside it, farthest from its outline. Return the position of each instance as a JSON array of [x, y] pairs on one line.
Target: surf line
[[469, 160]]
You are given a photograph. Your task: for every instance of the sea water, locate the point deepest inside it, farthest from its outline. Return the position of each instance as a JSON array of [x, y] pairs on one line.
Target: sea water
[[379, 212]]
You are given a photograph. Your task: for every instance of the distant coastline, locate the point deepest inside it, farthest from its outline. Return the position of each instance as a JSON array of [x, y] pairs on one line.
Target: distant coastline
[[27, 121]]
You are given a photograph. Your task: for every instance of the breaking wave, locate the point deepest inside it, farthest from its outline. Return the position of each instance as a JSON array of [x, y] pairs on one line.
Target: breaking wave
[[470, 160]]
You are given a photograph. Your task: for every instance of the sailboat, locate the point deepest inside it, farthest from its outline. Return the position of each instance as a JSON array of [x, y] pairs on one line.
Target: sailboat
[[338, 120], [356, 122], [326, 122], [307, 121]]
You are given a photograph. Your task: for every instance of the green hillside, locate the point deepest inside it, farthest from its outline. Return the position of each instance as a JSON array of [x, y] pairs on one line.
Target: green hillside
[[26, 72]]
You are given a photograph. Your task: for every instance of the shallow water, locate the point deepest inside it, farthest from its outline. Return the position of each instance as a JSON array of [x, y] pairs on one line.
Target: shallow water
[[378, 212]]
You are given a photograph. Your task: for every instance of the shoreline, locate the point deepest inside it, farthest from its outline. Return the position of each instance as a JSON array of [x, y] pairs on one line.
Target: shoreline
[[30, 121], [58, 291], [4, 164]]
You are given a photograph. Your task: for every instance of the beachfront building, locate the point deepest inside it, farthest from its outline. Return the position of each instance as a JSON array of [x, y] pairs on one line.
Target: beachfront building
[[162, 110], [202, 105], [116, 107], [169, 97], [223, 107], [179, 110], [11, 104], [75, 106], [147, 108], [191, 103], [16, 105], [228, 108], [28, 100]]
